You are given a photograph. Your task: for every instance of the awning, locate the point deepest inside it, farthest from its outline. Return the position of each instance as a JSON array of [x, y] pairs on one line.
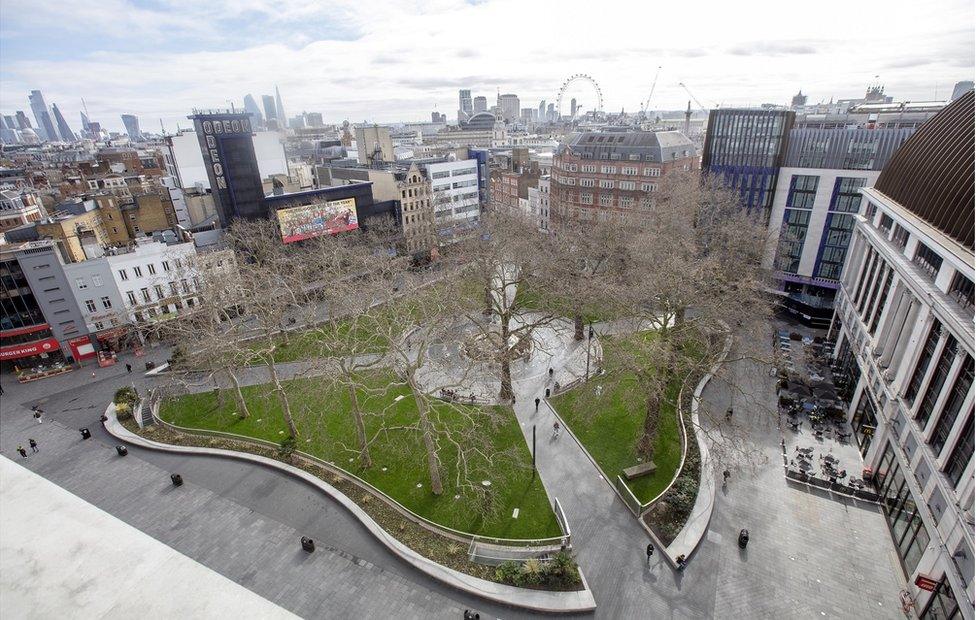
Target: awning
[[27, 349]]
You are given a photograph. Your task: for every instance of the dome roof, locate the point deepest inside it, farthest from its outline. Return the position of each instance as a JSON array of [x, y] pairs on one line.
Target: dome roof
[[932, 174]]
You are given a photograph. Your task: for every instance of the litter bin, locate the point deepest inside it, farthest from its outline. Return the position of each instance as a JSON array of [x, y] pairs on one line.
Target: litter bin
[[308, 544], [85, 433], [177, 480], [743, 538], [122, 450]]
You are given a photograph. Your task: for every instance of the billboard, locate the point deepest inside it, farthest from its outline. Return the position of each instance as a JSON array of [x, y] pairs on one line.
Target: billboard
[[334, 216]]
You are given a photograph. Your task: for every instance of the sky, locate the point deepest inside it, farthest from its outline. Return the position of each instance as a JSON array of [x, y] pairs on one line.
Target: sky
[[365, 60]]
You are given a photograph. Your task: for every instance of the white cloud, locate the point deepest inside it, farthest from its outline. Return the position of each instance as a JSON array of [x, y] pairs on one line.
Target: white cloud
[[386, 61]]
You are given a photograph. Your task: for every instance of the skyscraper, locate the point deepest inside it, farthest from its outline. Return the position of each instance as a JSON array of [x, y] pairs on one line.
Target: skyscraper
[[280, 109], [480, 104], [131, 126], [251, 107], [465, 109], [572, 107], [232, 166], [269, 108], [22, 121], [62, 125], [84, 122], [508, 106], [45, 126], [961, 88], [542, 111], [11, 122]]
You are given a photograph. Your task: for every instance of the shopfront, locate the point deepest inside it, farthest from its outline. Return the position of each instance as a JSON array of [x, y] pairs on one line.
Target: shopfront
[[907, 528], [864, 422], [32, 353]]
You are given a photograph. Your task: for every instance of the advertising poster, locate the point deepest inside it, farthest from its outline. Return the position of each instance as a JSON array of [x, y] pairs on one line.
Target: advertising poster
[[305, 222]]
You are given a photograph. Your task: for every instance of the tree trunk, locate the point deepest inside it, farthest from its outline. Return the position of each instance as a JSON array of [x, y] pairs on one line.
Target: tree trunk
[[488, 300], [505, 361], [427, 430], [652, 416], [578, 323], [242, 410], [283, 399], [357, 415]]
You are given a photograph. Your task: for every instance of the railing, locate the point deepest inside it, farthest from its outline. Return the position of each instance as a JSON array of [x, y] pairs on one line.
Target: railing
[[427, 524], [563, 522], [628, 496]]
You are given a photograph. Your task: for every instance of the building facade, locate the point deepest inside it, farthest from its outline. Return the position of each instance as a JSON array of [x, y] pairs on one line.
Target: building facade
[[744, 149], [602, 173], [454, 196], [817, 195], [416, 210], [905, 327], [18, 208]]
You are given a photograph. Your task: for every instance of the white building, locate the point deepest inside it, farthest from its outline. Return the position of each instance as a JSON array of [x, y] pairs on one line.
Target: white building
[[155, 278], [905, 330], [179, 201], [454, 186], [19, 207], [184, 160]]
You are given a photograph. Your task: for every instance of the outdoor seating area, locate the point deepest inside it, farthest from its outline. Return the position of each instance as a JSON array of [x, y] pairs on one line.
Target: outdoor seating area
[[35, 373], [817, 440]]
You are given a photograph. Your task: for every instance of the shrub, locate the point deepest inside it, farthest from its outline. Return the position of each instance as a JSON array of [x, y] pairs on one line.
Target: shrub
[[287, 448], [533, 572], [123, 411], [682, 495], [126, 395], [509, 572]]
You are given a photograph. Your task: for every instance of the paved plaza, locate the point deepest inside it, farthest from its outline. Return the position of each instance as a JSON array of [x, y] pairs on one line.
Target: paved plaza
[[811, 556]]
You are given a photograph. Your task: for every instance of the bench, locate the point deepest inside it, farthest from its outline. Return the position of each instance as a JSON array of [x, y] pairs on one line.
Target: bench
[[639, 470]]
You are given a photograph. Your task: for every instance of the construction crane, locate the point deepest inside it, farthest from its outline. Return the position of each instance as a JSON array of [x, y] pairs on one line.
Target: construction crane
[[693, 97], [653, 86]]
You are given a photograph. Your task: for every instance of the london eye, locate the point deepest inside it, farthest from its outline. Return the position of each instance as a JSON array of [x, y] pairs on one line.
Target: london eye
[[575, 79]]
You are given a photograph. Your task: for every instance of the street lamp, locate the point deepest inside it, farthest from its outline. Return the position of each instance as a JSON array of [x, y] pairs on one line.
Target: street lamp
[[589, 338]]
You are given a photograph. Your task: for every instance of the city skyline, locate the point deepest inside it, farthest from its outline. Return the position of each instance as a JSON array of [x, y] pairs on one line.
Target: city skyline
[[375, 74]]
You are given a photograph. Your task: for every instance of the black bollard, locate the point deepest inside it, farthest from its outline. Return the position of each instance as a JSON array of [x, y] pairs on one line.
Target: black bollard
[[177, 480], [122, 450], [85, 433], [308, 544]]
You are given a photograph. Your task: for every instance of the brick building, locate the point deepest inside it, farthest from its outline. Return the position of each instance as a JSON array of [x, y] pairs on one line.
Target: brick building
[[600, 173]]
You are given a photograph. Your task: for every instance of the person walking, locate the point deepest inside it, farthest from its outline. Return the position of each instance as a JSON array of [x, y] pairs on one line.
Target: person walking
[[725, 477], [37, 416], [23, 452], [728, 414], [650, 552], [128, 368], [537, 401], [550, 373], [33, 445], [681, 561]]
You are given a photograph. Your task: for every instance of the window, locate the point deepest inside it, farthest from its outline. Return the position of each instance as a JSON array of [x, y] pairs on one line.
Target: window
[[99, 326], [652, 172], [145, 294], [942, 605], [80, 282], [937, 381], [137, 271], [927, 260], [586, 183], [165, 265], [935, 332], [961, 289], [606, 200], [629, 170], [960, 389], [847, 198], [803, 191], [836, 240], [159, 291], [186, 286], [864, 422], [132, 297], [97, 280], [588, 168], [648, 187], [885, 224], [626, 202], [608, 170], [870, 211], [961, 454], [586, 198], [794, 234], [151, 268], [628, 185], [123, 274], [90, 304], [106, 302], [907, 529], [605, 184], [900, 237], [882, 299]]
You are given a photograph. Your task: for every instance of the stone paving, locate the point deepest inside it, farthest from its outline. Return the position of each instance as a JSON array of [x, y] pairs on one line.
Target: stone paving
[[810, 556]]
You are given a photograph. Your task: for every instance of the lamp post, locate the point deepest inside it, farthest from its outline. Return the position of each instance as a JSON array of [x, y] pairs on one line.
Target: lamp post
[[589, 338], [533, 451]]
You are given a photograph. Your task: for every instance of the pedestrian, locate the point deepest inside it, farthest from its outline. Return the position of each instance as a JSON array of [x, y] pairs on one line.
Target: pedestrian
[[550, 373], [728, 414], [37, 415], [33, 445], [725, 477], [1, 390], [23, 452], [650, 552], [537, 401], [93, 374], [128, 368], [681, 561]]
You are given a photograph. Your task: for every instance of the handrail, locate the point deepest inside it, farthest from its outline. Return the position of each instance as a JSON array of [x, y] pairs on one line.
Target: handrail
[[684, 452], [406, 512]]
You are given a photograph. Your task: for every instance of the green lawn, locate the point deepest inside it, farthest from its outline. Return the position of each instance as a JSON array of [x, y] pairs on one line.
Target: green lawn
[[607, 415], [327, 431], [345, 338]]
